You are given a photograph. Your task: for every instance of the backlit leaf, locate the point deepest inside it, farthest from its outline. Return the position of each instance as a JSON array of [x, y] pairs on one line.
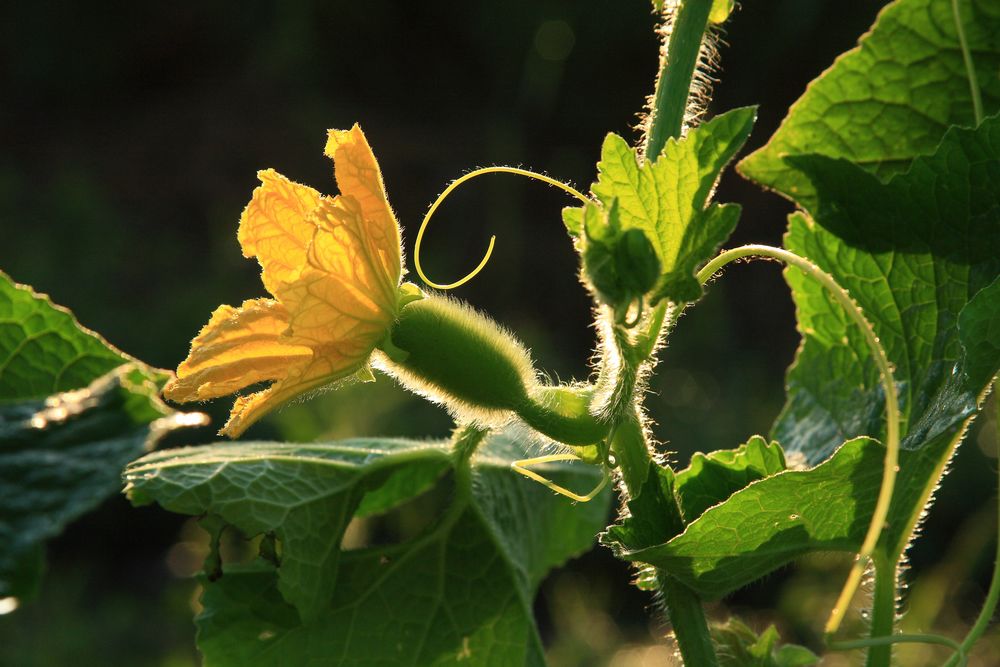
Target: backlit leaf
[[460, 591]]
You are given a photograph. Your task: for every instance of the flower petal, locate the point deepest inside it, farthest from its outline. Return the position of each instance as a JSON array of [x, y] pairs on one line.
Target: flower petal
[[237, 348], [358, 176], [343, 301], [303, 377], [275, 227]]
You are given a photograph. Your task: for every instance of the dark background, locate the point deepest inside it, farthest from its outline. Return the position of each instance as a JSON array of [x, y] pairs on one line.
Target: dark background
[[131, 134]]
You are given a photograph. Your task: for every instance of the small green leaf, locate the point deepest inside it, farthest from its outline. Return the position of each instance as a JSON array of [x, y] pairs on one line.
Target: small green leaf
[[573, 219], [61, 457], [890, 99], [767, 524], [668, 199], [653, 515], [461, 591], [622, 265], [43, 350], [710, 479], [739, 646]]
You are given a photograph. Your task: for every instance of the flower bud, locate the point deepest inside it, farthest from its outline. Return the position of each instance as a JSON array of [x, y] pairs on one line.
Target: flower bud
[[621, 265]]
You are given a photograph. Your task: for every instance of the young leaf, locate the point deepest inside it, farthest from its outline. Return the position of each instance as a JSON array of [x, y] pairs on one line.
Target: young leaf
[[890, 99], [653, 515], [43, 350], [461, 591], [773, 521], [710, 479], [739, 646], [61, 457], [667, 199]]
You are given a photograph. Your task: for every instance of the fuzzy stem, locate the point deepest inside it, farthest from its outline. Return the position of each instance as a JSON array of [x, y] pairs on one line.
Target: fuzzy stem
[[688, 620], [883, 611], [993, 595], [687, 617], [673, 86]]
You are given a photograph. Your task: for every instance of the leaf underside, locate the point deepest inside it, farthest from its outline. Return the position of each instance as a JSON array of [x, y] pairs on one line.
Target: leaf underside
[[73, 412], [461, 591]]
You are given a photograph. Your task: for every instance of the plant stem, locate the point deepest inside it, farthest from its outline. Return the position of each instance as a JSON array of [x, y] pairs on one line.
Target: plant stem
[[632, 453], [687, 617], [673, 86], [883, 611], [993, 595], [970, 67]]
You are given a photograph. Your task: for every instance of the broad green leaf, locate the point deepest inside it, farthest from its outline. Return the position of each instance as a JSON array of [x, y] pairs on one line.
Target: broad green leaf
[[304, 494], [921, 255], [43, 350], [710, 479], [890, 99], [912, 253], [62, 456], [773, 521], [73, 412], [979, 330], [668, 199], [461, 591]]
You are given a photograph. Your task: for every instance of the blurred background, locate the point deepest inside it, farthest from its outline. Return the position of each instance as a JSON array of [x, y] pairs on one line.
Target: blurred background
[[131, 134]]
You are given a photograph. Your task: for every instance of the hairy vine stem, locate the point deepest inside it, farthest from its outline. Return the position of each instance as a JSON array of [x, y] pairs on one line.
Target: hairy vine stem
[[993, 595], [671, 98], [673, 86]]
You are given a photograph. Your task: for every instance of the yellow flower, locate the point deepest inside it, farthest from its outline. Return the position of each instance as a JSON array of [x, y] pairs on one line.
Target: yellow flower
[[333, 265]]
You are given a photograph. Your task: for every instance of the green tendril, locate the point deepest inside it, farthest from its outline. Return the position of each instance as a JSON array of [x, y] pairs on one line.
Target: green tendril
[[489, 250], [881, 513], [970, 67]]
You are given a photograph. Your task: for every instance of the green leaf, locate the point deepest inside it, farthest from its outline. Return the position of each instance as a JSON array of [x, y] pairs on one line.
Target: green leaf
[[622, 265], [710, 479], [73, 412], [912, 252], [43, 350], [773, 521], [921, 255], [890, 99], [653, 516], [461, 590], [61, 457], [668, 199], [979, 330]]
